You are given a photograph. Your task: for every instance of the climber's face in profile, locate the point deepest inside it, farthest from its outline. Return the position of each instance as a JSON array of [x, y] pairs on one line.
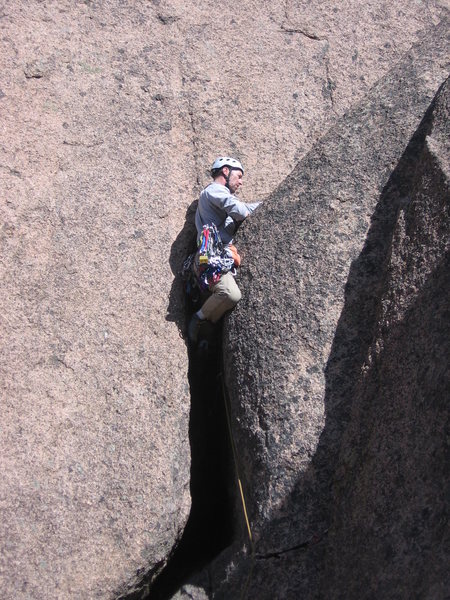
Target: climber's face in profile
[[235, 181]]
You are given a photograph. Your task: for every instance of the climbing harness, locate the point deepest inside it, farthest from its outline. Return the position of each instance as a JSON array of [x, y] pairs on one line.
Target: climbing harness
[[210, 262], [241, 489]]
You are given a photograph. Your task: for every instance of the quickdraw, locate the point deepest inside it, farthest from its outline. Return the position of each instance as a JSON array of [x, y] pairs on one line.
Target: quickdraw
[[211, 261]]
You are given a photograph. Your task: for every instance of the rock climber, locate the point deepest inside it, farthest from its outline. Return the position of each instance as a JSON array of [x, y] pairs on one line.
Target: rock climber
[[219, 205]]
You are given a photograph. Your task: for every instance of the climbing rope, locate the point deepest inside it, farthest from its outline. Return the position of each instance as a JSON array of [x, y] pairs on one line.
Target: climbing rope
[[241, 489]]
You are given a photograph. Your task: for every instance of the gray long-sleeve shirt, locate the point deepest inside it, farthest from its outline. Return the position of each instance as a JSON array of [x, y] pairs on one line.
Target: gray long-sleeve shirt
[[218, 205]]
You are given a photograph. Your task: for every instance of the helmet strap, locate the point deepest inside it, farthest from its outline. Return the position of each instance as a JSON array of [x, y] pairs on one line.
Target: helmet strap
[[227, 177]]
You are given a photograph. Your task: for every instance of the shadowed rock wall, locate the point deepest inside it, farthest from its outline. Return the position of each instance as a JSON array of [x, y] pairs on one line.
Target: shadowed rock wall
[[111, 112], [389, 537], [343, 267]]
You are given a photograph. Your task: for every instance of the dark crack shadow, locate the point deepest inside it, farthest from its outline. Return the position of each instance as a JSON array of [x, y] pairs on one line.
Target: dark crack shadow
[[210, 525]]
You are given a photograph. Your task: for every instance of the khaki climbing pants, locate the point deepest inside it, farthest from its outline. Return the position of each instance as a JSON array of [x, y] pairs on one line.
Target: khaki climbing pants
[[225, 295]]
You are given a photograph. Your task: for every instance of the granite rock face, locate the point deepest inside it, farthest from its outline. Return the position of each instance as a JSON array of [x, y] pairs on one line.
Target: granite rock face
[[388, 536], [336, 359], [111, 113]]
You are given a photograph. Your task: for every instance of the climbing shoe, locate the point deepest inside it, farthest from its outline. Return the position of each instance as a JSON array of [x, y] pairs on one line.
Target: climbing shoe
[[193, 328]]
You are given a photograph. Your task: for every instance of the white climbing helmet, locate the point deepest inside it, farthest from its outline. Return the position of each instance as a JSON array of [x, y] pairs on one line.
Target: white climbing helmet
[[226, 161]]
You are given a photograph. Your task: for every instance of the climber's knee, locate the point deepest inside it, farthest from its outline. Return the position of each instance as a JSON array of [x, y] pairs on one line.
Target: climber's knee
[[225, 295]]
